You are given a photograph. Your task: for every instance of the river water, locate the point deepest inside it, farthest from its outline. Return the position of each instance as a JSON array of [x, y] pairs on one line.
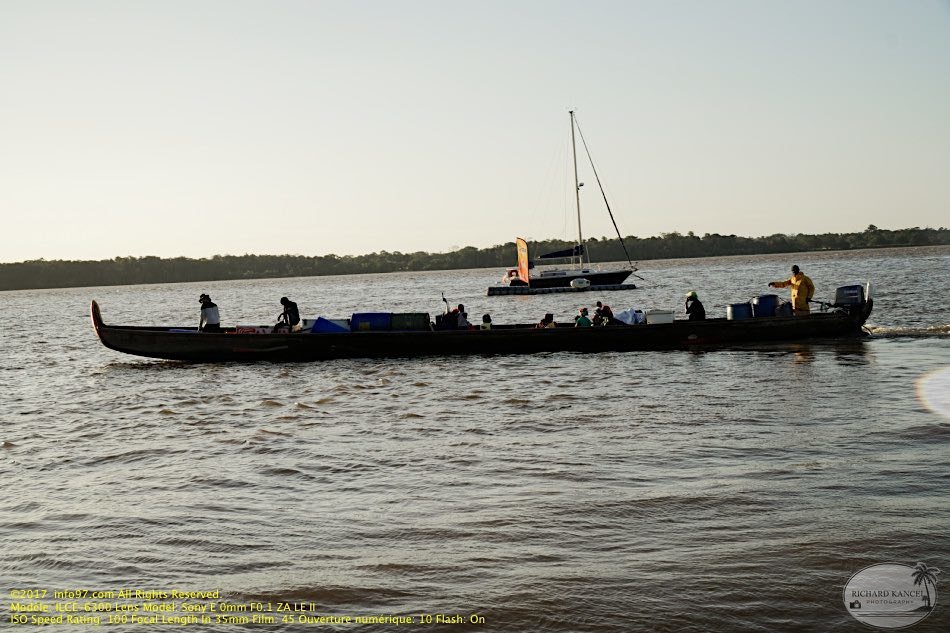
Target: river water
[[731, 490]]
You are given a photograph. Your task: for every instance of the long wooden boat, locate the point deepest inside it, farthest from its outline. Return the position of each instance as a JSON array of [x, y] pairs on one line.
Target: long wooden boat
[[185, 344]]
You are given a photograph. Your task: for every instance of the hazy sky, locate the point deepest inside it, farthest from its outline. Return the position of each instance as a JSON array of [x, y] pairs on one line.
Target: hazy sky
[[206, 127]]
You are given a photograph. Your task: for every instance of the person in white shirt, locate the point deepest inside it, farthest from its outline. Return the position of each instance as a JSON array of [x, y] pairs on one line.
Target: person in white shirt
[[210, 319]]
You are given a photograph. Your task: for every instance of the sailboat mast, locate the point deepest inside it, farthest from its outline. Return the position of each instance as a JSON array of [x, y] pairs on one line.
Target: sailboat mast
[[577, 197]]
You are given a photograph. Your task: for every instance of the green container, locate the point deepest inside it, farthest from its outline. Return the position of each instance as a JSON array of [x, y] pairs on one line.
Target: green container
[[413, 321]]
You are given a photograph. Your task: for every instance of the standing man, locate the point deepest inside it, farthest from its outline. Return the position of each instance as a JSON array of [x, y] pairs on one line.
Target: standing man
[[210, 320], [802, 290]]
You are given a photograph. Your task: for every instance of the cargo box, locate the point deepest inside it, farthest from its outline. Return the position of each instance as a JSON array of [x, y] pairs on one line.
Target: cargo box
[[371, 321], [324, 326], [412, 321], [658, 316]]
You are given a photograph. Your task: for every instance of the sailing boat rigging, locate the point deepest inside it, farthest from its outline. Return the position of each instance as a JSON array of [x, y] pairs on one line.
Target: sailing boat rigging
[[580, 274]]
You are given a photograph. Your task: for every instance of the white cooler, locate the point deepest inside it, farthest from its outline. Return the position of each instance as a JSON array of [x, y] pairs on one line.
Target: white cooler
[[658, 316]]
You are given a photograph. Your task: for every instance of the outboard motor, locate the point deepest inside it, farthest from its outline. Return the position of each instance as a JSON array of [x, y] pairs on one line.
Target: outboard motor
[[851, 299]]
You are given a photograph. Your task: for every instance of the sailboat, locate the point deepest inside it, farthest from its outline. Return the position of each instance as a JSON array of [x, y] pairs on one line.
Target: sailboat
[[580, 274]]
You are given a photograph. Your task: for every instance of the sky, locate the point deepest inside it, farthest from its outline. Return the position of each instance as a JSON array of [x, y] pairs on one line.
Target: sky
[[183, 128]]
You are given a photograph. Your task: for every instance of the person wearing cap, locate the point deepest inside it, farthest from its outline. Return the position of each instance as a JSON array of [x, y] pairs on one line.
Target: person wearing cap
[[694, 307], [803, 289], [210, 320], [289, 319], [582, 320]]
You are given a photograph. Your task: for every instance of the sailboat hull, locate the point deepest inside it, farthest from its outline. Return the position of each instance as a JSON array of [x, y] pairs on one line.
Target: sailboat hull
[[596, 278]]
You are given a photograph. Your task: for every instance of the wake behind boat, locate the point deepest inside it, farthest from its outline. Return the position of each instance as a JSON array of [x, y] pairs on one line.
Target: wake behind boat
[[845, 319]]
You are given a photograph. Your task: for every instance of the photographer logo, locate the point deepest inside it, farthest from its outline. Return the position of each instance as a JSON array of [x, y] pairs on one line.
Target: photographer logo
[[892, 595]]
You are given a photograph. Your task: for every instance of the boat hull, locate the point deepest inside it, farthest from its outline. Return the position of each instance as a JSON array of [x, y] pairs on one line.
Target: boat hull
[[605, 278], [176, 344]]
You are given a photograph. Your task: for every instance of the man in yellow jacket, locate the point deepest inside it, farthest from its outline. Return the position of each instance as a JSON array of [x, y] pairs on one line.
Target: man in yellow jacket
[[802, 290]]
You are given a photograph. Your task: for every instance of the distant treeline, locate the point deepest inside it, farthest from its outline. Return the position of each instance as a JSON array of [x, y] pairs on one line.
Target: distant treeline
[[142, 270]]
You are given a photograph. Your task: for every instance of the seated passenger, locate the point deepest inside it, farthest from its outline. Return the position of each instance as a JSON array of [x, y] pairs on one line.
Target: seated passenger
[[694, 307], [486, 322], [582, 320], [605, 312], [289, 319], [450, 320], [210, 321], [463, 323], [547, 321]]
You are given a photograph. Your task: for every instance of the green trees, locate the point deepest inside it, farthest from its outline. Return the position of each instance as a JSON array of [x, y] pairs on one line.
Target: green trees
[[43, 273]]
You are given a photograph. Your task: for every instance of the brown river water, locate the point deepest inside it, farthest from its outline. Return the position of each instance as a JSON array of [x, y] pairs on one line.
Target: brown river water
[[727, 490]]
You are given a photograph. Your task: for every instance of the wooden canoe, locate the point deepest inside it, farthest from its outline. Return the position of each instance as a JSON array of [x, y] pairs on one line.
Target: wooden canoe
[[185, 344]]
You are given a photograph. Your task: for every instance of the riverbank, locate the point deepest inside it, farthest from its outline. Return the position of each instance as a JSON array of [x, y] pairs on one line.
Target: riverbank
[[123, 271]]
